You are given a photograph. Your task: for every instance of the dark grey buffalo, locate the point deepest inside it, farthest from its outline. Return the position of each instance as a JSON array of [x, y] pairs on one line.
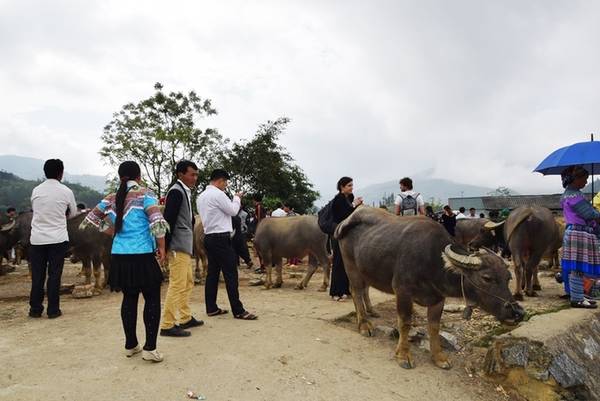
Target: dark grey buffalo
[[292, 237], [16, 235], [530, 232], [92, 248], [467, 229], [412, 257]]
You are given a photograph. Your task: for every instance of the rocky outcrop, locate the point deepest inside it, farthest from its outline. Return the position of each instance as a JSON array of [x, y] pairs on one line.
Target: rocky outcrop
[[553, 356]]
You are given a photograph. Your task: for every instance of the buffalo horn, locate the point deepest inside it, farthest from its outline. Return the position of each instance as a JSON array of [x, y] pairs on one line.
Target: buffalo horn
[[7, 226], [464, 261], [490, 225]]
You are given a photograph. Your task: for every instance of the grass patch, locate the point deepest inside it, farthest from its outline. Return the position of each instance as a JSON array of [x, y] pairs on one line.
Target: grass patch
[[349, 318]]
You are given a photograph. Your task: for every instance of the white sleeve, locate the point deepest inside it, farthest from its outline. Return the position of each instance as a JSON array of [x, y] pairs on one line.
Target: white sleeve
[[71, 202], [420, 201], [398, 200], [229, 207]]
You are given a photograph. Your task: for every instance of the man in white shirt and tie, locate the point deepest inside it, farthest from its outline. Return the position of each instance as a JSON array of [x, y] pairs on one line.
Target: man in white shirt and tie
[[216, 210], [52, 203]]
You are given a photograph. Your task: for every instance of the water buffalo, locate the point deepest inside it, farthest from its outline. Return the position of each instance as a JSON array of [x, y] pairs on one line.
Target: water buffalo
[[92, 248], [8, 238], [292, 237], [199, 252], [530, 232], [413, 258], [467, 229]]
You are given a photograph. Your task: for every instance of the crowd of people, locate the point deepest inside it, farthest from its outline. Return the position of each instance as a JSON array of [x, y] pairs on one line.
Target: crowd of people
[[146, 237]]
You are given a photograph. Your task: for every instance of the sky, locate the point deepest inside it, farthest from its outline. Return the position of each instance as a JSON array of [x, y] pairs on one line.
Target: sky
[[476, 92]]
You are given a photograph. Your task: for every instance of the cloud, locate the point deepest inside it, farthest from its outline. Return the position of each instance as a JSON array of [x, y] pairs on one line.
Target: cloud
[[475, 92]]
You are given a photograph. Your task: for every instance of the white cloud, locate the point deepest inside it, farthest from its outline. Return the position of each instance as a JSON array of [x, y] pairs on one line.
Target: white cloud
[[480, 92]]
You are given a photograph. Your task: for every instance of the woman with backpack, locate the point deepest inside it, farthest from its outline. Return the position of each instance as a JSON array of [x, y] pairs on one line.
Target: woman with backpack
[[342, 206]]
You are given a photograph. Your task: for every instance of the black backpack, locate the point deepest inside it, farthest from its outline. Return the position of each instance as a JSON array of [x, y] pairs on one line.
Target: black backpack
[[325, 219], [409, 205]]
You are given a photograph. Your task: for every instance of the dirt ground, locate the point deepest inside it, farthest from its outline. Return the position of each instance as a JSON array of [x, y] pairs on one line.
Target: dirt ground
[[301, 348]]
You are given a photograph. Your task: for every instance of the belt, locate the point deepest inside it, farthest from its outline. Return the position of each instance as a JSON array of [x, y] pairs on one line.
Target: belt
[[218, 235]]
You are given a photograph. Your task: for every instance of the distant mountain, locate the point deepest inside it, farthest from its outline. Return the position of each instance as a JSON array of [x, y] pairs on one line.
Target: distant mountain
[[438, 189], [30, 168], [16, 192]]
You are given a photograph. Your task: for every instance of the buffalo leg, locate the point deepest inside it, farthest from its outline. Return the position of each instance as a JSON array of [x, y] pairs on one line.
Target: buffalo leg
[[368, 305], [309, 273], [404, 308], [518, 295], [530, 279], [87, 268], [365, 327], [434, 315], [269, 266], [279, 271], [536, 280], [324, 262], [97, 264]]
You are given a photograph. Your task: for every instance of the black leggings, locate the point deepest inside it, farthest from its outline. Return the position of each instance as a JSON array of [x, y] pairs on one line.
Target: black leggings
[[129, 309]]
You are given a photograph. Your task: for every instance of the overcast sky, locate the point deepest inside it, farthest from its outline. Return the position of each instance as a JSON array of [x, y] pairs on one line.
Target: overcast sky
[[479, 92]]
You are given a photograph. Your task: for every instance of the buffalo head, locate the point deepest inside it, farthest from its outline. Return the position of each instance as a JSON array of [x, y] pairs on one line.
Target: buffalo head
[[490, 234], [484, 281]]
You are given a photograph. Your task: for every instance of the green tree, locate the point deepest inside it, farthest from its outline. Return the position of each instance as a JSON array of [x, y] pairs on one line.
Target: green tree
[[501, 191], [262, 166], [158, 132]]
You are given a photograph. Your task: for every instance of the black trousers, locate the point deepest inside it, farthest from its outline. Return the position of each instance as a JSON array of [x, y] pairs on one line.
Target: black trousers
[[46, 260], [340, 284], [129, 310], [221, 258]]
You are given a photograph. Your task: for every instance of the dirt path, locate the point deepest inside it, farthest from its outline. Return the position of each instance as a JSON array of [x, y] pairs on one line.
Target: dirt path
[[293, 352]]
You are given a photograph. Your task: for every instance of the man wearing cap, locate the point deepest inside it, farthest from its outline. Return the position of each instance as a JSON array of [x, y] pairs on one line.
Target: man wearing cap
[[216, 210]]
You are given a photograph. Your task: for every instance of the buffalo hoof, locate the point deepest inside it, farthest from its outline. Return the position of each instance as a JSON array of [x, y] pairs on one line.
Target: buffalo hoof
[[518, 296], [406, 362], [531, 293], [537, 287], [322, 288], [442, 362], [366, 329], [467, 312], [268, 286], [277, 285], [299, 287], [373, 314]]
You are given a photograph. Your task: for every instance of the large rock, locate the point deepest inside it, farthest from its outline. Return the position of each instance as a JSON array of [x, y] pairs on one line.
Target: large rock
[[558, 354]]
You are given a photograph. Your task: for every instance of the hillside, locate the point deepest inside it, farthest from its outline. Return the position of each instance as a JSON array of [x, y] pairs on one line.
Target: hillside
[[30, 168], [15, 191], [438, 189]]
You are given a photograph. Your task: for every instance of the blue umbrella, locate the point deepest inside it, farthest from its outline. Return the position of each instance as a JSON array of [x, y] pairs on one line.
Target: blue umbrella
[[585, 154]]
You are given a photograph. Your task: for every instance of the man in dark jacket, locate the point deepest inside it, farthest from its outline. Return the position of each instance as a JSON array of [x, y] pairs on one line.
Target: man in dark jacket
[[177, 315]]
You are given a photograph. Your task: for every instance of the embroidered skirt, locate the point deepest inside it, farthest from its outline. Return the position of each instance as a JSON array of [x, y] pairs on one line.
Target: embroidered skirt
[[134, 271], [580, 253]]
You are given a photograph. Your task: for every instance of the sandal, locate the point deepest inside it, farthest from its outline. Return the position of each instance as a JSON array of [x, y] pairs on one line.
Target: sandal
[[246, 316], [218, 312], [583, 304]]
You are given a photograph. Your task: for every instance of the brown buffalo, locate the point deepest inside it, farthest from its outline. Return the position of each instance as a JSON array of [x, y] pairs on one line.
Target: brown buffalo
[[199, 252], [530, 232], [412, 257], [292, 237]]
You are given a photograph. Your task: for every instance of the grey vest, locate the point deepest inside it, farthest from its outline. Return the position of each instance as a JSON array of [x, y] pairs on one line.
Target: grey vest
[[182, 235]]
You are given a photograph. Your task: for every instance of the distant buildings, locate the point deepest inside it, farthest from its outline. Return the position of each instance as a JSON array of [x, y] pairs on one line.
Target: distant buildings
[[484, 204]]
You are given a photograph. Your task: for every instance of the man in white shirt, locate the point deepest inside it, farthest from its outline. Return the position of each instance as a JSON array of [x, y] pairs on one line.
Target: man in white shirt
[[472, 214], [216, 211], [52, 203], [409, 202], [461, 214], [279, 212]]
